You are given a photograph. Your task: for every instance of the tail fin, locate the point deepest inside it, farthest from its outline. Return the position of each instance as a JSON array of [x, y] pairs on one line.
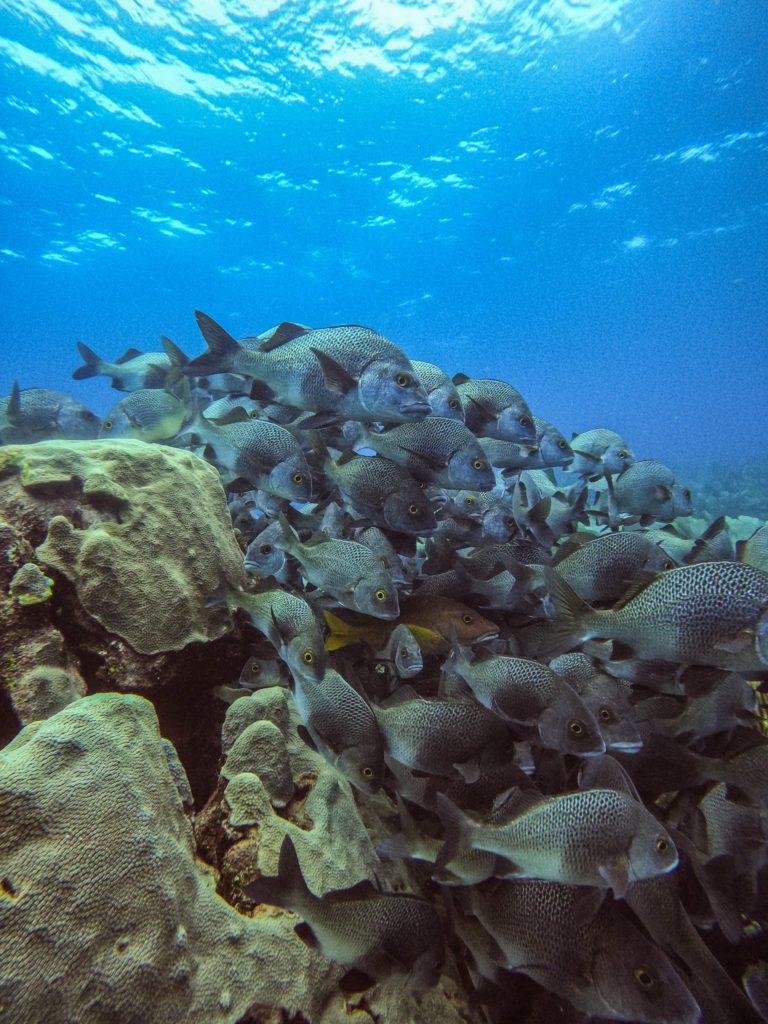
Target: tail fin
[[342, 633], [222, 348], [458, 829], [565, 629], [93, 364], [288, 889]]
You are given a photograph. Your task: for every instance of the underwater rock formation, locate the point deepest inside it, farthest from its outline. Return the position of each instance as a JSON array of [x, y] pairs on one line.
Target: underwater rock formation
[[142, 531]]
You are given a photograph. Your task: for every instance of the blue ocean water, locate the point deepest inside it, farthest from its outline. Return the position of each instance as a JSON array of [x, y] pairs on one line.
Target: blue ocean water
[[568, 194]]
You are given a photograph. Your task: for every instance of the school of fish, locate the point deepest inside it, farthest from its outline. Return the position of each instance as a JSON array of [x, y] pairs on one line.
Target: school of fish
[[503, 633]]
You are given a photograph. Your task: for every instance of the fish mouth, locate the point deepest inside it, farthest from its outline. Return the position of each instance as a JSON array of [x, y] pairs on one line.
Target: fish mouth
[[485, 637], [416, 409], [627, 747]]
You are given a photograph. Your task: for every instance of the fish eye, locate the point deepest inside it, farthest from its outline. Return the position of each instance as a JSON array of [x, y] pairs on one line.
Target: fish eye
[[467, 618], [368, 773], [562, 444], [469, 500], [662, 845], [254, 414], [622, 454], [669, 564], [453, 403], [478, 464], [510, 520], [107, 425], [605, 714], [403, 380], [266, 549], [576, 727], [413, 509], [298, 478], [380, 595], [686, 493], [255, 668], [525, 421], [309, 657], [645, 977]]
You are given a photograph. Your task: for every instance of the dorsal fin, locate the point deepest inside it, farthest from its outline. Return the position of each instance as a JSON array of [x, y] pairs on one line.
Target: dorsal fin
[[174, 353], [130, 353], [286, 331], [642, 580], [14, 402], [336, 377], [362, 890], [460, 378]]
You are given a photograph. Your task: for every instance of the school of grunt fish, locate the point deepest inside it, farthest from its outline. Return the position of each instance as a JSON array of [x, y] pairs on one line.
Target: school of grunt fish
[[504, 632]]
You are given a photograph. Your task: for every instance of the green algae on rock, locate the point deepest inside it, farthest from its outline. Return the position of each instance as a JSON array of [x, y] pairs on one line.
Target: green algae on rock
[[154, 538], [30, 585]]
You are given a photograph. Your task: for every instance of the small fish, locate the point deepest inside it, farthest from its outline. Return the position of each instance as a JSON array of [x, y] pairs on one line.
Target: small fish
[[599, 452], [343, 728], [605, 697], [594, 837], [709, 613], [553, 448], [349, 571], [290, 625], [601, 963], [647, 492], [39, 414], [602, 569], [510, 455], [441, 392], [493, 408], [265, 555], [260, 673], [754, 550], [338, 373], [525, 692], [381, 490], [403, 652], [443, 737], [145, 415], [439, 451], [432, 620], [134, 370], [377, 933], [264, 454]]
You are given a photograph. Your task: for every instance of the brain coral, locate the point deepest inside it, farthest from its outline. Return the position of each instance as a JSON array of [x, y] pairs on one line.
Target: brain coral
[[105, 914], [149, 540]]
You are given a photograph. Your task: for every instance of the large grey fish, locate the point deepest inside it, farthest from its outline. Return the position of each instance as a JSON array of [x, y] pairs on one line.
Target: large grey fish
[[596, 837], [656, 903], [265, 555], [381, 490], [377, 933], [349, 571], [647, 492], [134, 369], [598, 452], [709, 613], [290, 625], [601, 963], [437, 450], [511, 455], [146, 415], [493, 408], [345, 372], [442, 737], [403, 652], [442, 394], [266, 455], [491, 510], [602, 569], [343, 728], [527, 693], [39, 414]]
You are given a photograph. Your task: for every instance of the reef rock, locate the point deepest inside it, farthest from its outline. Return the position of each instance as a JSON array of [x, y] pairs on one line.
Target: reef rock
[[141, 530]]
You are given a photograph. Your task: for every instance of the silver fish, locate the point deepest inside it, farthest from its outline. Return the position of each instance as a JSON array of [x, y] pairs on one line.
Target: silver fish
[[441, 392], [39, 414], [134, 369], [493, 408], [345, 372], [145, 415], [377, 933], [598, 452]]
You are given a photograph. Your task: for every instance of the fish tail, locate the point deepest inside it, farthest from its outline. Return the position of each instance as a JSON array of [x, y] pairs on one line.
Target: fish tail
[[287, 889], [342, 633], [566, 628], [92, 363], [458, 828], [222, 349]]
